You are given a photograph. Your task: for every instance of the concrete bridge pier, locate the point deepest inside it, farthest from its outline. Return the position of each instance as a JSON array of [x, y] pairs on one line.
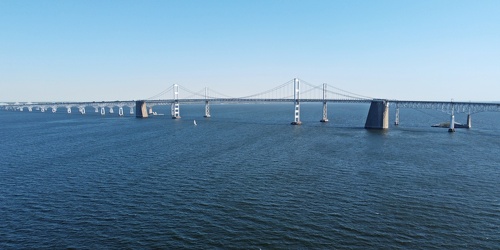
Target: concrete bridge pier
[[452, 120], [141, 111], [469, 121], [378, 115], [452, 124]]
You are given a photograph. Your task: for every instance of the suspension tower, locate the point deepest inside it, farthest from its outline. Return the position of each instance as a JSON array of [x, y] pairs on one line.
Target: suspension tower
[[325, 110], [296, 97], [175, 104], [207, 105]]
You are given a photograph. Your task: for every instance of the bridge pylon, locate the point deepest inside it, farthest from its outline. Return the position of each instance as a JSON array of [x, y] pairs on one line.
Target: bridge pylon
[[325, 108], [175, 109], [296, 97], [378, 115], [207, 105], [141, 111]]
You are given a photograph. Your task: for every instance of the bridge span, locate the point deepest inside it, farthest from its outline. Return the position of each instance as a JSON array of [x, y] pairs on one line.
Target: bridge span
[[377, 118]]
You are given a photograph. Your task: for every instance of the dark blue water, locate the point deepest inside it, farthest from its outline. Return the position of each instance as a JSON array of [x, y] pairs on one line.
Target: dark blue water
[[247, 179]]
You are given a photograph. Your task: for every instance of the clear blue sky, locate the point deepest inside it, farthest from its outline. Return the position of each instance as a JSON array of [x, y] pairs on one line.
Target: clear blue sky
[[124, 50]]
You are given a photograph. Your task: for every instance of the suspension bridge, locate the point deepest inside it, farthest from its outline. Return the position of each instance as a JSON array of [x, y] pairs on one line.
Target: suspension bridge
[[295, 91]]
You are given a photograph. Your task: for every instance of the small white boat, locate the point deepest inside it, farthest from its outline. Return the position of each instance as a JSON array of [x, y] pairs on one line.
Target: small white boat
[[194, 121]]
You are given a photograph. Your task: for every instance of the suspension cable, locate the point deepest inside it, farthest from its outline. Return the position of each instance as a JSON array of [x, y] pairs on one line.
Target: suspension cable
[[268, 91], [160, 94]]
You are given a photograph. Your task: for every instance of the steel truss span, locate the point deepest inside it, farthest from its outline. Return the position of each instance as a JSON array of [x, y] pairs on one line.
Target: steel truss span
[[101, 107], [457, 107]]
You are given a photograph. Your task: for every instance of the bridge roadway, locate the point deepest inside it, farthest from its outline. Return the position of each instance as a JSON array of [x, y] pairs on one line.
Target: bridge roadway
[[255, 100]]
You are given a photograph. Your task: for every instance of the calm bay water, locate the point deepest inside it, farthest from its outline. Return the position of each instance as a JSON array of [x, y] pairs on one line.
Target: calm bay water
[[246, 179]]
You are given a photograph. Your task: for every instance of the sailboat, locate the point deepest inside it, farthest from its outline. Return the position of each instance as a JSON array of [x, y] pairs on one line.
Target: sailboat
[[194, 121]]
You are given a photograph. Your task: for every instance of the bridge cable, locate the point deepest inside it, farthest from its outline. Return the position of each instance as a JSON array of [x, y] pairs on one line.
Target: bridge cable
[[268, 91], [160, 94]]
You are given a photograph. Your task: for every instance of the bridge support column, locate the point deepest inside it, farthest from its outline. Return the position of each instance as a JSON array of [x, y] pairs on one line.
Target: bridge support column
[[469, 121], [175, 110], [325, 113], [141, 111], [81, 110], [296, 97], [69, 110], [103, 111], [207, 110], [175, 106], [207, 105], [120, 111], [452, 119], [396, 121], [325, 108], [378, 115], [452, 123]]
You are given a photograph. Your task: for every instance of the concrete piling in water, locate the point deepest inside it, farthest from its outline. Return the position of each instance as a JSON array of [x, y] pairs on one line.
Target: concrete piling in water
[[141, 110], [469, 121], [378, 115]]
